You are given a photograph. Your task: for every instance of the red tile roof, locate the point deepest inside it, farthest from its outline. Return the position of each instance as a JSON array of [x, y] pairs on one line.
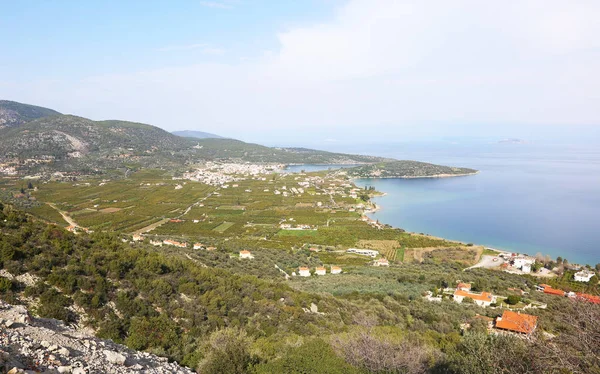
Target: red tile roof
[[553, 291], [517, 322], [590, 298], [484, 296]]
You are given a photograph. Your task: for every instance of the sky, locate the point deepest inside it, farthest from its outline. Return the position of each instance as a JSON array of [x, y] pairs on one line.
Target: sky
[[313, 72]]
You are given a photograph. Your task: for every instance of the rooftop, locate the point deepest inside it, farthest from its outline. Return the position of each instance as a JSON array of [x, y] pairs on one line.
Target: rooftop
[[517, 322]]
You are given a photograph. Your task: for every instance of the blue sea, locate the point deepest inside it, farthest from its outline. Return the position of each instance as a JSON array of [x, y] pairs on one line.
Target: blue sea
[[527, 198]]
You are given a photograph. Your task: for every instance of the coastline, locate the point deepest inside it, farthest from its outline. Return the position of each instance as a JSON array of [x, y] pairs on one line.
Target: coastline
[[378, 207], [417, 176]]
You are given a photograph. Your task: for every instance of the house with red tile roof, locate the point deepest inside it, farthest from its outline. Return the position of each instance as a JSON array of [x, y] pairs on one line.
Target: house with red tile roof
[[588, 297], [482, 299], [552, 291], [303, 271], [517, 322]]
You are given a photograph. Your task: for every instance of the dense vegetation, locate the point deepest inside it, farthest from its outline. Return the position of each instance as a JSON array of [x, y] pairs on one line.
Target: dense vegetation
[[226, 320], [405, 169]]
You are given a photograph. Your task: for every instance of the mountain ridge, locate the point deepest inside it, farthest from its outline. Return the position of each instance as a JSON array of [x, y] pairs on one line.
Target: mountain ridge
[[196, 134], [13, 113]]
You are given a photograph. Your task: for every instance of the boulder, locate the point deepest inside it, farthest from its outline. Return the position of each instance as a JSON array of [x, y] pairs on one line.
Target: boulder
[[114, 357]]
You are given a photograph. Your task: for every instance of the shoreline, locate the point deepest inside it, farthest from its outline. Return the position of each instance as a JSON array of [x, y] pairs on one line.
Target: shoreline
[[418, 176], [378, 207]]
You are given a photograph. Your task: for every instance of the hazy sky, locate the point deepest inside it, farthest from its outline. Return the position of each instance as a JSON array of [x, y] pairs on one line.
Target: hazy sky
[[312, 71]]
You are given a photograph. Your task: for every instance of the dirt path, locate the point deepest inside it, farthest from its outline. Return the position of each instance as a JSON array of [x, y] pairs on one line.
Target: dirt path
[[64, 215], [151, 227]]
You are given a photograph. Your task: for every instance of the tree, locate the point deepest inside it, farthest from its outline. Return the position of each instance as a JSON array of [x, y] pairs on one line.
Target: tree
[[29, 186], [576, 348], [513, 299]]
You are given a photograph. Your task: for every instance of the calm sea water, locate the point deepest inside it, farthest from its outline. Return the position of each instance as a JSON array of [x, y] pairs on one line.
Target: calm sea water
[[527, 198]]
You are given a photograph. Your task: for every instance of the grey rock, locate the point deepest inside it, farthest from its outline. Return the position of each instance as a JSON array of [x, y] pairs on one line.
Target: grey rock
[[114, 357]]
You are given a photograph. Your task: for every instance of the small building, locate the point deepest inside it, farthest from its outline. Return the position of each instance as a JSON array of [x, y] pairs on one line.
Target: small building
[[303, 271], [464, 287], [321, 270], [552, 291], [198, 245], [156, 243], [519, 261], [175, 243], [526, 268], [246, 254], [517, 322], [336, 270], [381, 262], [584, 276], [588, 297], [482, 299]]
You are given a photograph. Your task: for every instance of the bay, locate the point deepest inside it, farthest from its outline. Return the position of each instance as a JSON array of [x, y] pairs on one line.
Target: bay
[[527, 198]]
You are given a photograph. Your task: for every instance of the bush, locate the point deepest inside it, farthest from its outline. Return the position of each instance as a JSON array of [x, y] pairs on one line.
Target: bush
[[312, 357], [227, 352]]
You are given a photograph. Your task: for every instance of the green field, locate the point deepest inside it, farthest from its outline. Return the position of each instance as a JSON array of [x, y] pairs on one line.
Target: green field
[[224, 227]]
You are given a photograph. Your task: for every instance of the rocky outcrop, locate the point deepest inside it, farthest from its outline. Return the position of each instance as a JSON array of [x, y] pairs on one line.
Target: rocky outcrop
[[33, 345]]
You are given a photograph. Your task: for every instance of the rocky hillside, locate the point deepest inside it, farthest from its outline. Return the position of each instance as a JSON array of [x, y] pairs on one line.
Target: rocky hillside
[[47, 345], [14, 114], [407, 169], [66, 136]]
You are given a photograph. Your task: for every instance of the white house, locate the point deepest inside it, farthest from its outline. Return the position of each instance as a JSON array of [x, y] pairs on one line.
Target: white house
[[381, 262], [138, 238], [336, 270], [246, 254], [198, 245], [519, 261], [526, 268], [321, 270], [584, 276], [482, 299], [303, 271]]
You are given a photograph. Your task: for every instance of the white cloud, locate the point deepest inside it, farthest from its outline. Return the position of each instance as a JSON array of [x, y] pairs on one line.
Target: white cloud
[[395, 67]]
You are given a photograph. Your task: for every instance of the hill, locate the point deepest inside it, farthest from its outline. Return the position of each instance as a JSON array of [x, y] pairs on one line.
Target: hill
[[407, 169], [196, 134], [236, 149], [66, 142], [41, 140], [14, 114]]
